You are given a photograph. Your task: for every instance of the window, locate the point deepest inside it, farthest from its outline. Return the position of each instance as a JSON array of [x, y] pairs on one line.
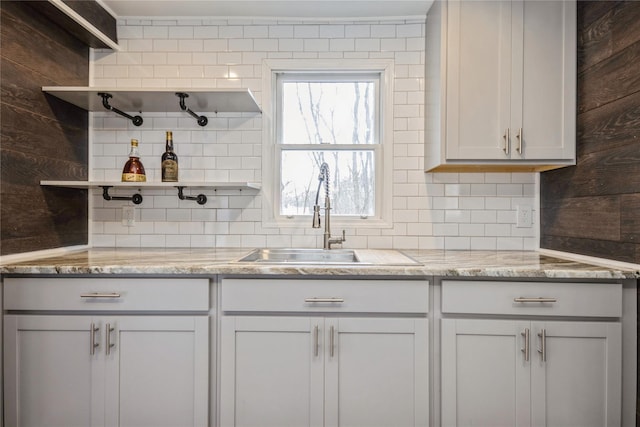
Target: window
[[332, 115], [332, 118]]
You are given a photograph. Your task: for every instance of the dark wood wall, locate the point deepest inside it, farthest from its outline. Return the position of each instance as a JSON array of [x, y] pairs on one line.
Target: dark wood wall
[[594, 207], [40, 137]]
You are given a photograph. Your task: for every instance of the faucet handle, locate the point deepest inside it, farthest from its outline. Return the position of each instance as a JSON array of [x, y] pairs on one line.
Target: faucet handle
[[336, 240]]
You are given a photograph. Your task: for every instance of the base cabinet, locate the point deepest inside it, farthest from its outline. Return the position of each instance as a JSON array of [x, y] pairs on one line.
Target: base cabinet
[[106, 371], [106, 352], [522, 373], [323, 371]]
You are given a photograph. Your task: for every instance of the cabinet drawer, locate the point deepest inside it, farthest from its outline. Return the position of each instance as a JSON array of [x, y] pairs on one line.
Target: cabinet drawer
[[532, 298], [307, 295], [106, 294]]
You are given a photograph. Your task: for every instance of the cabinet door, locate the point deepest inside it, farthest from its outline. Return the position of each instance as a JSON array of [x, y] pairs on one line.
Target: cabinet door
[[485, 377], [157, 371], [478, 79], [51, 376], [579, 382], [544, 80], [377, 372], [272, 371]]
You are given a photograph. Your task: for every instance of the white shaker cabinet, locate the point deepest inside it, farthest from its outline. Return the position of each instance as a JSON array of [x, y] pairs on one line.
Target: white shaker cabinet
[[271, 375], [51, 379], [376, 373], [296, 368], [96, 367], [576, 370], [529, 372], [501, 85], [499, 372]]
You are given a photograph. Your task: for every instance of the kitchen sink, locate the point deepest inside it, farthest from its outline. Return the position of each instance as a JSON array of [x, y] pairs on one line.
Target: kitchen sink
[[301, 256]]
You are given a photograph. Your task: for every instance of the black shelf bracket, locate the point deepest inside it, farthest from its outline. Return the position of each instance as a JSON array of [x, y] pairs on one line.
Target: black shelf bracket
[[136, 198], [202, 120], [136, 120], [201, 199]]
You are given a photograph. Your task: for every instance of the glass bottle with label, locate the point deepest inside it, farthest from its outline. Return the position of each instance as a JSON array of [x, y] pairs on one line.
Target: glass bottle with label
[[169, 161], [133, 170]]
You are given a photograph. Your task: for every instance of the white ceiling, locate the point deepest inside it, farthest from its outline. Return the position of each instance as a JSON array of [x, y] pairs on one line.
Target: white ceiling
[[268, 8]]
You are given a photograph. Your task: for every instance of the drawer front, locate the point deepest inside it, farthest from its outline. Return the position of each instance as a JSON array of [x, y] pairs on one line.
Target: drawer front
[[532, 298], [343, 296], [106, 294]]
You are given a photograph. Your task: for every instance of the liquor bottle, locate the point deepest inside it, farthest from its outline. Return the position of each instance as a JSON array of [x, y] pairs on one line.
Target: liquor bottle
[[133, 170], [169, 161]]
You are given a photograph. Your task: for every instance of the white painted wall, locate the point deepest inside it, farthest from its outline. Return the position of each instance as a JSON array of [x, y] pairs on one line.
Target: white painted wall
[[430, 211]]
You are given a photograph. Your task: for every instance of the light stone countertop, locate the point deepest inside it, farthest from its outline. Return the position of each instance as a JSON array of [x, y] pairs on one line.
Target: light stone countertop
[[383, 262]]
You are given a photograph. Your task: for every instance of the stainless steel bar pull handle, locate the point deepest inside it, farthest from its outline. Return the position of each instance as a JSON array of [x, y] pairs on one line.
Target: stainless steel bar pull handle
[[316, 345], [534, 299], [109, 344], [506, 137], [525, 350], [92, 338], [543, 345], [519, 137], [331, 343], [329, 300], [101, 295]]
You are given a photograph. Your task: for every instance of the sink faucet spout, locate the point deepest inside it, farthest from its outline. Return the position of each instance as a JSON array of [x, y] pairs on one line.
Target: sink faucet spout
[[323, 177]]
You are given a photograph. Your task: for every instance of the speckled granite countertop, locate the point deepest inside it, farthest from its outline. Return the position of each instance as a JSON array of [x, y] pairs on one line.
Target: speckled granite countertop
[[376, 263]]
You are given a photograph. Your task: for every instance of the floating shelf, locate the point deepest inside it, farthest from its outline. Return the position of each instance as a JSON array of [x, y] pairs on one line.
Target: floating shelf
[[136, 198], [158, 100], [155, 185]]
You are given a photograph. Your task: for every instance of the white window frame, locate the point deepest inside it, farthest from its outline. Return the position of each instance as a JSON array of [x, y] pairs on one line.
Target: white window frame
[[271, 153]]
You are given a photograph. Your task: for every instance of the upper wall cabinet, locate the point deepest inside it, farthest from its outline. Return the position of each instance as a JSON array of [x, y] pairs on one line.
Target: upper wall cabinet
[[501, 85]]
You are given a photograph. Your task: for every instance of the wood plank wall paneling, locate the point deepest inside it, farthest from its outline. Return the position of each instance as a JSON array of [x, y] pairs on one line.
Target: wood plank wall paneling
[[95, 13], [41, 136], [593, 208]]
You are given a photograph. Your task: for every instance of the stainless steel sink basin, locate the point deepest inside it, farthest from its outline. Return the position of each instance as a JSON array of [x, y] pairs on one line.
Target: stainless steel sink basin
[[301, 256]]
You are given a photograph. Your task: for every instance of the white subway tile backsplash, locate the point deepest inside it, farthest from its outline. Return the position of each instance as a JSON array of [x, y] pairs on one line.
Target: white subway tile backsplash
[[499, 203], [357, 31], [486, 217], [471, 203], [215, 45], [510, 244], [367, 45], [316, 45], [457, 216], [500, 230], [341, 45], [203, 241], [205, 31], [181, 32], [266, 45], [383, 30], [474, 230], [252, 241], [292, 45], [445, 229], [332, 31], [457, 243], [445, 202], [466, 211], [483, 243], [241, 45], [431, 242]]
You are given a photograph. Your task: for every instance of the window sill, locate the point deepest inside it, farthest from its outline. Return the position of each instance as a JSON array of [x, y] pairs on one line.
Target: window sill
[[337, 223]]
